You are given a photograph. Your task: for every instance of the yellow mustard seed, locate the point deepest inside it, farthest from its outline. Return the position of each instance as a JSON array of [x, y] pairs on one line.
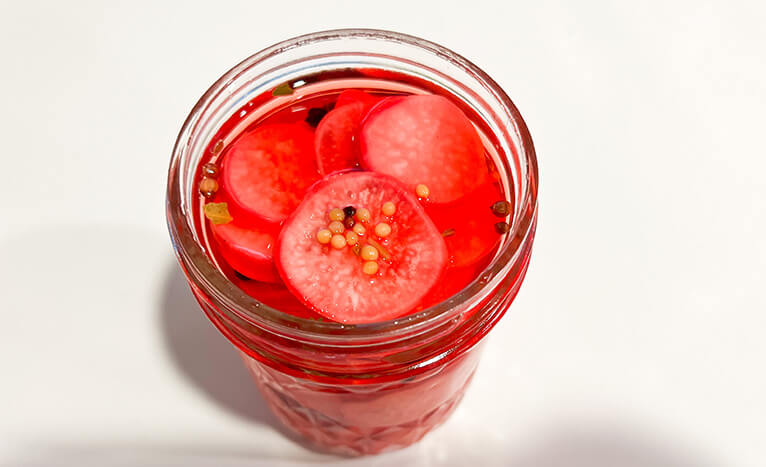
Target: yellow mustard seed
[[338, 241], [382, 230], [388, 208], [324, 236], [359, 229], [351, 238], [381, 249], [370, 267], [336, 227], [336, 214], [422, 191], [369, 253], [363, 215]]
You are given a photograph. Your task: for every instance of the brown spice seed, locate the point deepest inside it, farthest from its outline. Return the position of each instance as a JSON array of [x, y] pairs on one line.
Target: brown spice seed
[[357, 249], [502, 227], [210, 170], [218, 147], [349, 222], [208, 187], [501, 208], [448, 233]]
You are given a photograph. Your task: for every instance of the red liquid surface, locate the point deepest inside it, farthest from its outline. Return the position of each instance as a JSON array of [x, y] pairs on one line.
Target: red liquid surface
[[471, 213]]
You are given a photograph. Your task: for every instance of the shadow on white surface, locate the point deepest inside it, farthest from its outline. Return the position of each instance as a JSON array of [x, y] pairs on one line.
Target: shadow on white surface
[[207, 360], [204, 356], [594, 445]]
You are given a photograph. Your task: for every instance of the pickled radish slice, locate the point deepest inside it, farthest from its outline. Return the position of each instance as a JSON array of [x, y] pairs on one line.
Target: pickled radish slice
[[331, 281], [336, 136], [266, 172], [248, 251], [424, 140]]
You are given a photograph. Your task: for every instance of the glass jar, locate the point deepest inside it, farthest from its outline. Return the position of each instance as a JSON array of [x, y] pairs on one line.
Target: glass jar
[[358, 389]]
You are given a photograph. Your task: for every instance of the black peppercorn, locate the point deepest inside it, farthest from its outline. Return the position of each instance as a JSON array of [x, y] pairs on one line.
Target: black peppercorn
[[315, 115]]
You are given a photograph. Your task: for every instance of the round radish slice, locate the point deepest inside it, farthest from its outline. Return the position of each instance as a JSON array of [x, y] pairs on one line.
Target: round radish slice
[[335, 141], [424, 139], [247, 251], [266, 172], [332, 281]]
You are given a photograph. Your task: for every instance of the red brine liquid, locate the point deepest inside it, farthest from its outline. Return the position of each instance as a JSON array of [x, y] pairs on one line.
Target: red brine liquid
[[320, 137], [356, 197]]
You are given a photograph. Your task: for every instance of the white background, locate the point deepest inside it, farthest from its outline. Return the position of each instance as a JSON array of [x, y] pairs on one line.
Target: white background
[[636, 341]]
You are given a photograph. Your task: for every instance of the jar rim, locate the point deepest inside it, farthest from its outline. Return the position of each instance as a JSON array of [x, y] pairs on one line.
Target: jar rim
[[203, 275]]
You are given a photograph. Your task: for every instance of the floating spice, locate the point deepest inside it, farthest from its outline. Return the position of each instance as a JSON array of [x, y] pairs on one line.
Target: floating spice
[[208, 187], [370, 267], [352, 238], [369, 253], [502, 227], [383, 251], [359, 228], [336, 227], [210, 170], [315, 116], [363, 214], [501, 208], [388, 208], [356, 249], [448, 233], [349, 211], [324, 236], [218, 147], [336, 214], [422, 191], [338, 241], [382, 230], [283, 89], [217, 213]]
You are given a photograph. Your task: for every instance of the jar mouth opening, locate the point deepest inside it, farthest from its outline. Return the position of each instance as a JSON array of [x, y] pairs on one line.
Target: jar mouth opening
[[205, 277]]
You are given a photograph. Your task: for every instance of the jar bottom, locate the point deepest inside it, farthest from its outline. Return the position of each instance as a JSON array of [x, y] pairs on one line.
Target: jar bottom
[[355, 420]]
